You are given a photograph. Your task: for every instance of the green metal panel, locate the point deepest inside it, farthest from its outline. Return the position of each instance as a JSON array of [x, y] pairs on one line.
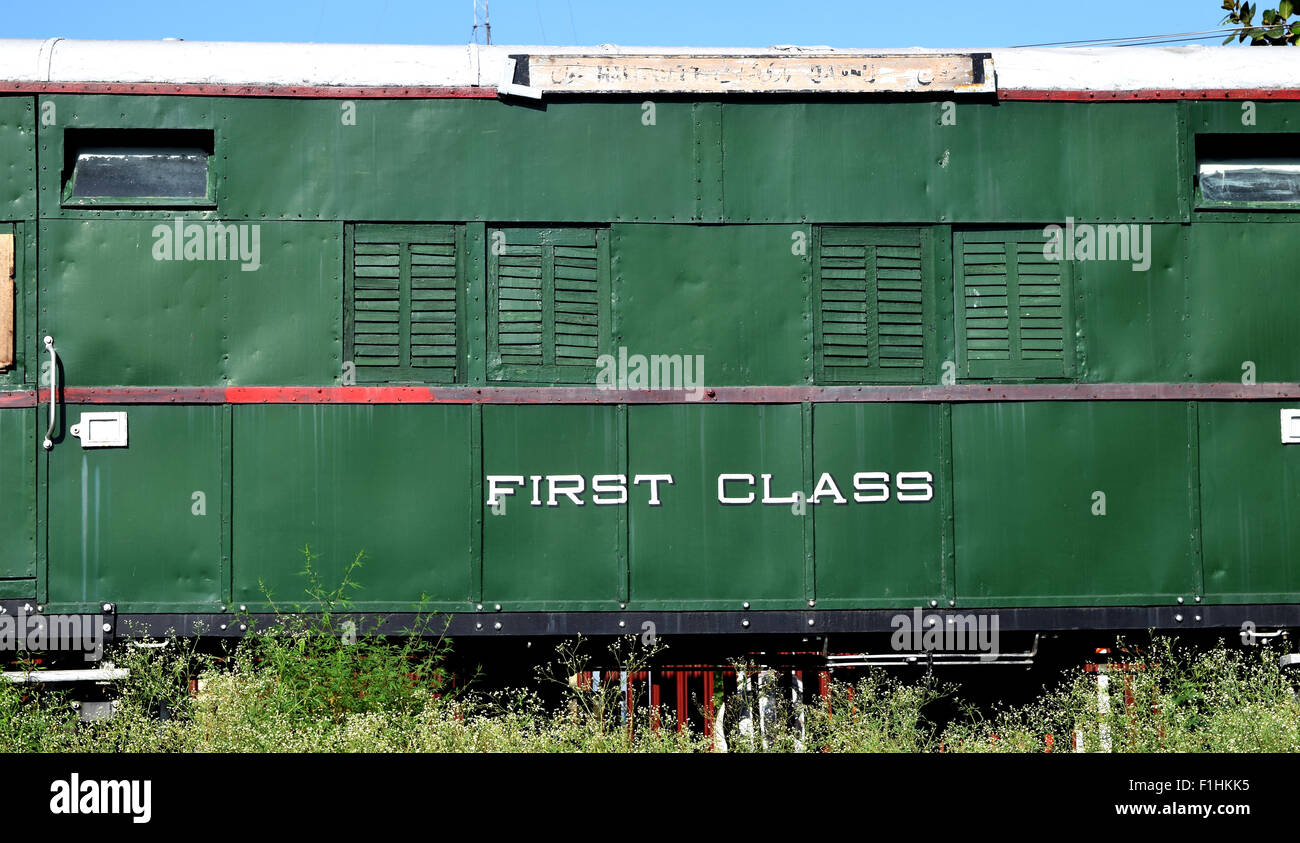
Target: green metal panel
[[897, 162], [392, 482], [124, 524], [891, 552], [1244, 302], [554, 557], [693, 552], [740, 296], [18, 444], [1014, 307], [1025, 482], [118, 316], [1133, 325], [17, 158], [420, 160], [1250, 504]]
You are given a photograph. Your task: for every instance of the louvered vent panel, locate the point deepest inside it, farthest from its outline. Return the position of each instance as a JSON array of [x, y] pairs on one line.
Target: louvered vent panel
[[548, 301], [433, 306], [872, 300], [898, 307], [403, 324], [376, 304], [988, 332], [1015, 308], [577, 312], [519, 305]]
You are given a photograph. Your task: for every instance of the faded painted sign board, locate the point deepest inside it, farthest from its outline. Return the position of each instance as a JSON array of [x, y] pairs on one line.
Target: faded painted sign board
[[769, 74]]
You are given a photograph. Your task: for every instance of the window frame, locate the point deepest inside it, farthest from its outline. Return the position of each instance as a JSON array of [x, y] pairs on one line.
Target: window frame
[[67, 176], [1196, 157]]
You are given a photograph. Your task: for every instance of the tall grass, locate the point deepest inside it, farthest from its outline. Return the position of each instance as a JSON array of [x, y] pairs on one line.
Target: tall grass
[[306, 684]]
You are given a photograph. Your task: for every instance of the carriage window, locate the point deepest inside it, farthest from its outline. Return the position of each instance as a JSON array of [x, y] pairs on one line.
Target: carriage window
[[1247, 171], [1260, 180], [155, 168]]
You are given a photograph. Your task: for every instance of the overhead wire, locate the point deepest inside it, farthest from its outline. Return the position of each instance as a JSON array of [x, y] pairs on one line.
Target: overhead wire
[[1139, 40]]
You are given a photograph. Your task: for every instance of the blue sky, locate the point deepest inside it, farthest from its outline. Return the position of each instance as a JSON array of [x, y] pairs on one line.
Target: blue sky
[[727, 23]]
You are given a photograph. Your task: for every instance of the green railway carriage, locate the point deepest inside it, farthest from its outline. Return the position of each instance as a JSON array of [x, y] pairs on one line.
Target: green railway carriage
[[734, 343]]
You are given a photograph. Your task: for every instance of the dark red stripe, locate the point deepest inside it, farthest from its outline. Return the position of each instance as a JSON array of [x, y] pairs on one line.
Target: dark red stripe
[[962, 393], [206, 90], [1152, 94]]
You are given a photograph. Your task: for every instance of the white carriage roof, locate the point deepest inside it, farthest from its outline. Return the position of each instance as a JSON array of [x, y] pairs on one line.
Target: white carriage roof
[[57, 60]]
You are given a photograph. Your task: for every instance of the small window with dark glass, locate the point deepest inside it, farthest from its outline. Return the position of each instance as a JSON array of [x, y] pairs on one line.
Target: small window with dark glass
[[1247, 171], [159, 168]]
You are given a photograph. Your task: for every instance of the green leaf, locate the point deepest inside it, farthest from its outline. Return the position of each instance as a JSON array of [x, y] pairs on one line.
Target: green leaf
[[1284, 9]]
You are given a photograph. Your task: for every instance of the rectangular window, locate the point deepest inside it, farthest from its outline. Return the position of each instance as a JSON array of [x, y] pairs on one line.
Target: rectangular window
[[403, 288], [1247, 171], [132, 168], [548, 303], [1013, 307], [873, 304]]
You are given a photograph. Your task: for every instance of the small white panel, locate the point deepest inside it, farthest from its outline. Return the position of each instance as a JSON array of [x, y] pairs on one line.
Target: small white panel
[[101, 430], [1291, 427]]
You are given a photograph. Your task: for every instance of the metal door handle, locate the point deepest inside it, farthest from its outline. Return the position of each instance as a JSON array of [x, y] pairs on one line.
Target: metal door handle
[[54, 392]]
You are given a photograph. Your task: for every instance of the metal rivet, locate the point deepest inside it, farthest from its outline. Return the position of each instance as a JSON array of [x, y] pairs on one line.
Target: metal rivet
[[223, 626], [811, 621], [745, 622], [223, 608], [39, 608], [622, 624], [1178, 618], [744, 605], [478, 626], [1198, 617], [1198, 598], [1180, 601], [108, 627], [496, 625], [243, 608], [622, 605], [243, 627], [107, 607], [812, 603], [952, 602], [934, 603], [497, 607]]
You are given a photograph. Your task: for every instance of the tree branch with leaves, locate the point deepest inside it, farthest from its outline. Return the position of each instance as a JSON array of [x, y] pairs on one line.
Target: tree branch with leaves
[[1275, 29]]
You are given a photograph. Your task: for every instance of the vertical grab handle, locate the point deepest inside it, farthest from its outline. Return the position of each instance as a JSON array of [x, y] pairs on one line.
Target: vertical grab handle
[[54, 392]]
